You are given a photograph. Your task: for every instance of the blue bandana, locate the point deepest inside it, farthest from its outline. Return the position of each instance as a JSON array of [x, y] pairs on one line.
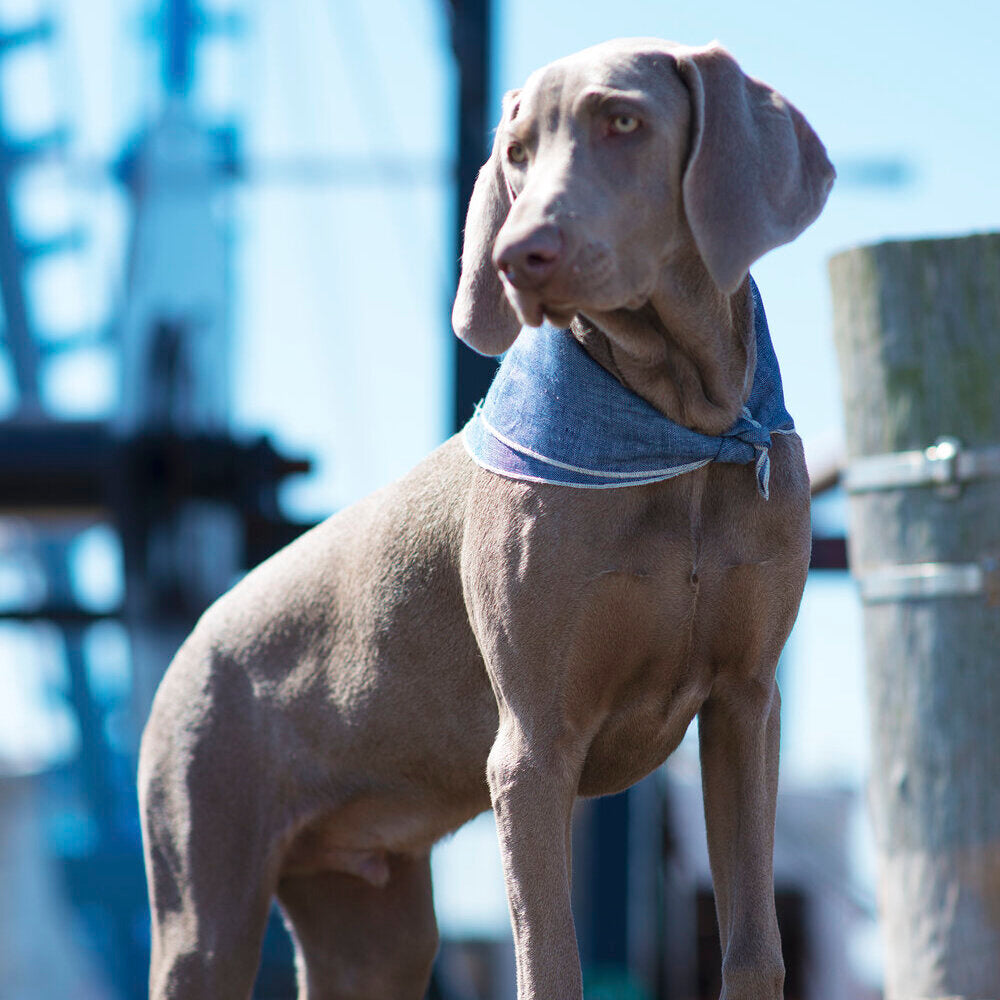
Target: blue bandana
[[554, 415]]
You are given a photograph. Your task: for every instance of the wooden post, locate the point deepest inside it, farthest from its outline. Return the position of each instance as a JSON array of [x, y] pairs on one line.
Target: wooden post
[[917, 327]]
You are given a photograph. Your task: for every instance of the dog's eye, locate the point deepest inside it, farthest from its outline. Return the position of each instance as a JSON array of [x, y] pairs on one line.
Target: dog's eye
[[623, 124], [516, 153]]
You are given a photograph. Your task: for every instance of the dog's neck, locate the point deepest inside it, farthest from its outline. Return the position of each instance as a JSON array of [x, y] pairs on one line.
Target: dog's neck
[[689, 351]]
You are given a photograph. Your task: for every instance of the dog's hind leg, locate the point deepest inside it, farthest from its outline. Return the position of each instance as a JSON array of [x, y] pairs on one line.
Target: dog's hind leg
[[355, 940], [738, 732], [209, 902], [210, 858]]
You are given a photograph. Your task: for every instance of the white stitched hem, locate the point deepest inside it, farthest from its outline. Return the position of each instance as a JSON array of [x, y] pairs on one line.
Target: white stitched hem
[[659, 478], [635, 477]]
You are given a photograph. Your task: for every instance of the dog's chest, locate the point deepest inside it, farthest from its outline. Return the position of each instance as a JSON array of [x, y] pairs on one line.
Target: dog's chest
[[640, 733], [632, 667], [611, 610], [648, 684], [656, 644]]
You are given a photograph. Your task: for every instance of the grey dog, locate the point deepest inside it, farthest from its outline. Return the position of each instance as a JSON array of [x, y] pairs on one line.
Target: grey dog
[[460, 639]]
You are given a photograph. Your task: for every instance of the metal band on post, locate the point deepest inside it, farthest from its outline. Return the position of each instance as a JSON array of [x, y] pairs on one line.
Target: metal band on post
[[945, 464], [921, 581]]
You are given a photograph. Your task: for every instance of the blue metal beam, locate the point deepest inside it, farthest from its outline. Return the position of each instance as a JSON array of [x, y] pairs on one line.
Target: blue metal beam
[[182, 22], [14, 253], [179, 26], [40, 31], [17, 332]]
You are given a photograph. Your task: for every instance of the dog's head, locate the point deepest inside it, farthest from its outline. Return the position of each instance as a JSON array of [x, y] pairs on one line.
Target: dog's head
[[607, 164]]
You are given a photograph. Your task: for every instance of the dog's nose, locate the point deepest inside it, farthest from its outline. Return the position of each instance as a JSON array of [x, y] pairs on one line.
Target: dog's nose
[[528, 262]]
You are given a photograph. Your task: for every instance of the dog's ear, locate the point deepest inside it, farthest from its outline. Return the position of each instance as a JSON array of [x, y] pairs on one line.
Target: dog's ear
[[756, 175], [482, 316]]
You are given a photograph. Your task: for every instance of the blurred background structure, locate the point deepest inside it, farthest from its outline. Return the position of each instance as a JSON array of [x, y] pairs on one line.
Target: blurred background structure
[[228, 246]]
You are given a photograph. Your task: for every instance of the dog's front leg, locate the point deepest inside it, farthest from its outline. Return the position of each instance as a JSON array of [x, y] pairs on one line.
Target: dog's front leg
[[533, 788], [738, 732], [528, 587]]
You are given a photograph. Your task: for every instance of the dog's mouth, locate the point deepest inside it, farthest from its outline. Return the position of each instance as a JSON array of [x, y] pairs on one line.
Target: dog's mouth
[[533, 307], [527, 303], [558, 315]]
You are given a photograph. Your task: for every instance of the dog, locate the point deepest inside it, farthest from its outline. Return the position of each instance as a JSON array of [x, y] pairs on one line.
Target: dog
[[466, 639]]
